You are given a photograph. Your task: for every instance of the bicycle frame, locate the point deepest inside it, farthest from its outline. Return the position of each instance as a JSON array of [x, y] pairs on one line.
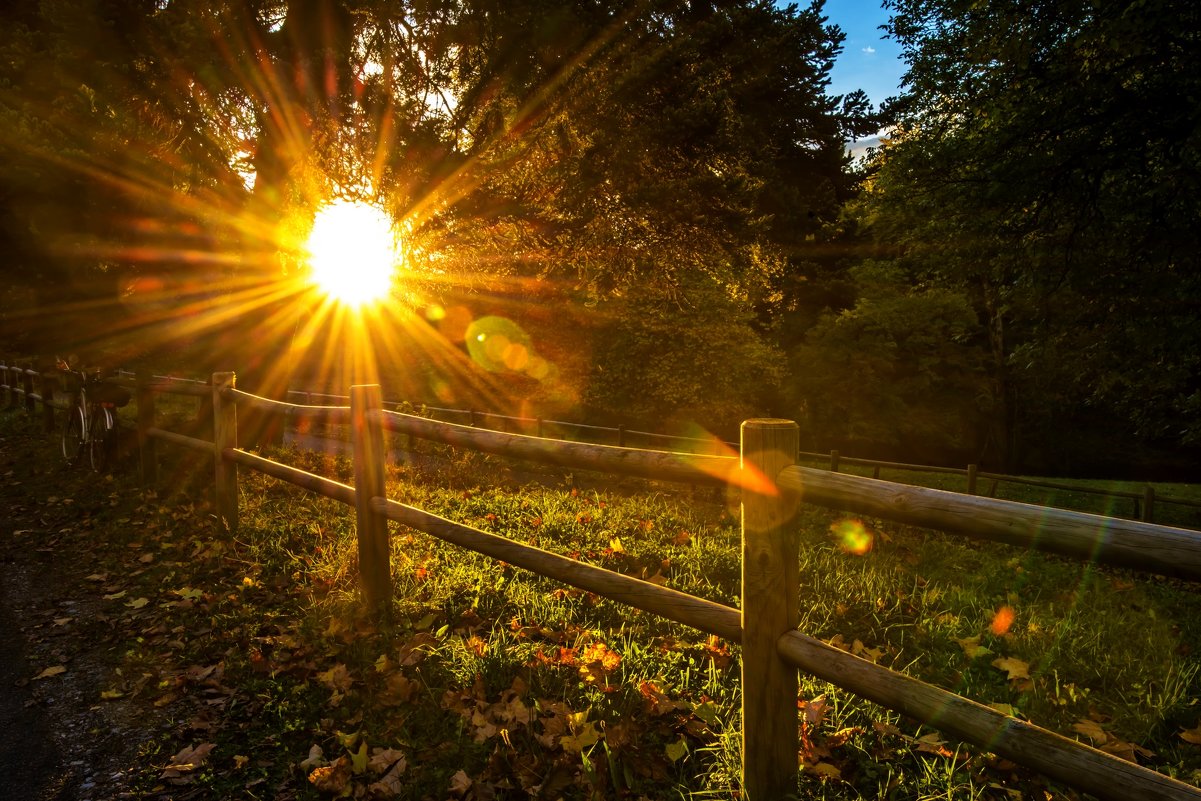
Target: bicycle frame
[[88, 424]]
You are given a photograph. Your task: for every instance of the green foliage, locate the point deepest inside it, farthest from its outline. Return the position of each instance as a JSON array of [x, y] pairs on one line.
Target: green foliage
[[1044, 165], [901, 367], [694, 358]]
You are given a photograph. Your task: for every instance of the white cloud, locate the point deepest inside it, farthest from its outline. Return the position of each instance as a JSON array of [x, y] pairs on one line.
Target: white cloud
[[869, 50]]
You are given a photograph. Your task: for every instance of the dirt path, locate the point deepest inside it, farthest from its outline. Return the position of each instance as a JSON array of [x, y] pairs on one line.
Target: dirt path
[[58, 741], [30, 764]]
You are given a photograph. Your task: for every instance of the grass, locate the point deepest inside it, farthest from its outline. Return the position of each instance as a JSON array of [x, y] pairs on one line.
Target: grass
[[489, 682]]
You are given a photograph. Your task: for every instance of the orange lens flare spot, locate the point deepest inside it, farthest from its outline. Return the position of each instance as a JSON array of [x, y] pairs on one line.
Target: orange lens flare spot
[[353, 252], [853, 537], [1002, 621]]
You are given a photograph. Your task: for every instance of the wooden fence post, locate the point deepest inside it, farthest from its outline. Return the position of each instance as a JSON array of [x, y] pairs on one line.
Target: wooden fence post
[[146, 444], [27, 387], [48, 381], [225, 436], [770, 586], [833, 461], [972, 471], [1149, 504], [367, 437]]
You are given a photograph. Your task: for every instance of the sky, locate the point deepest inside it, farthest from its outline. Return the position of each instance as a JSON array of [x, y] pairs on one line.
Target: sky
[[868, 61]]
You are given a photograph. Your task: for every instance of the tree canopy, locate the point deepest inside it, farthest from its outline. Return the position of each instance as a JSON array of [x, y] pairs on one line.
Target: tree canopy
[[1045, 162]]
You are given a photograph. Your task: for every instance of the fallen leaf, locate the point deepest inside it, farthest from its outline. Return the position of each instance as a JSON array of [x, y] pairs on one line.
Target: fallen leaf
[[584, 734], [110, 695], [677, 750], [57, 670], [932, 744], [358, 760], [824, 770], [384, 758], [137, 603], [972, 648], [240, 761], [188, 759], [1192, 735], [1092, 730], [460, 783], [316, 758], [114, 596], [1127, 751], [390, 785], [337, 678], [333, 779], [1016, 668]]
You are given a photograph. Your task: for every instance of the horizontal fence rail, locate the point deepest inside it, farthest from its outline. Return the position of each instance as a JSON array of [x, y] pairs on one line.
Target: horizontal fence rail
[[660, 465], [771, 486], [1144, 502], [1126, 543], [1070, 761]]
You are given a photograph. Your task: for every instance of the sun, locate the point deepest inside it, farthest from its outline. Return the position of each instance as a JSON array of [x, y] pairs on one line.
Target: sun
[[353, 252]]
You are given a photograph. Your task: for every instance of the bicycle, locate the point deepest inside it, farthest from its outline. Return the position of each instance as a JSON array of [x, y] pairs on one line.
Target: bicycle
[[91, 418]]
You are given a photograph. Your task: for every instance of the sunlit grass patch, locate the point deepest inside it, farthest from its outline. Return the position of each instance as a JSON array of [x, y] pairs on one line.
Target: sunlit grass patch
[[519, 682]]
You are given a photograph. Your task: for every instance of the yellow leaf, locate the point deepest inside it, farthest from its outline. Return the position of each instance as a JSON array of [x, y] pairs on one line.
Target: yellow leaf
[[824, 770], [57, 670], [358, 761], [1092, 730], [1016, 668], [109, 695], [137, 603], [677, 750], [114, 596], [616, 546], [240, 761], [337, 678], [584, 736], [1192, 735], [972, 648]]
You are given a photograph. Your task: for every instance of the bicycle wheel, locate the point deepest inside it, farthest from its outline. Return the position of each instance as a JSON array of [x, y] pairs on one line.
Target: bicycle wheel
[[72, 434], [101, 439]]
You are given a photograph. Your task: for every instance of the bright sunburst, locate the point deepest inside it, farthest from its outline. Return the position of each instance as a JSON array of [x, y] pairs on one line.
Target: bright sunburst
[[352, 252]]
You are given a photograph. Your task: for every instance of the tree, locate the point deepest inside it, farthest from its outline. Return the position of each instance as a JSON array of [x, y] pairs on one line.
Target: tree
[[900, 373], [1044, 164], [683, 152]]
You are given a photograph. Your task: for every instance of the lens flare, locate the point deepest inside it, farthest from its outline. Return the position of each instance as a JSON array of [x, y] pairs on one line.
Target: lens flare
[[353, 252], [852, 536]]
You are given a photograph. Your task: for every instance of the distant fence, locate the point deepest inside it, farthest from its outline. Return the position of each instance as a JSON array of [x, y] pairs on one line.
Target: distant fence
[[1143, 503], [771, 483]]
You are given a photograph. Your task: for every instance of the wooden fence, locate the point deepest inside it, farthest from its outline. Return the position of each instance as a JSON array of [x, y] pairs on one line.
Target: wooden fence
[[1143, 502], [771, 484]]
